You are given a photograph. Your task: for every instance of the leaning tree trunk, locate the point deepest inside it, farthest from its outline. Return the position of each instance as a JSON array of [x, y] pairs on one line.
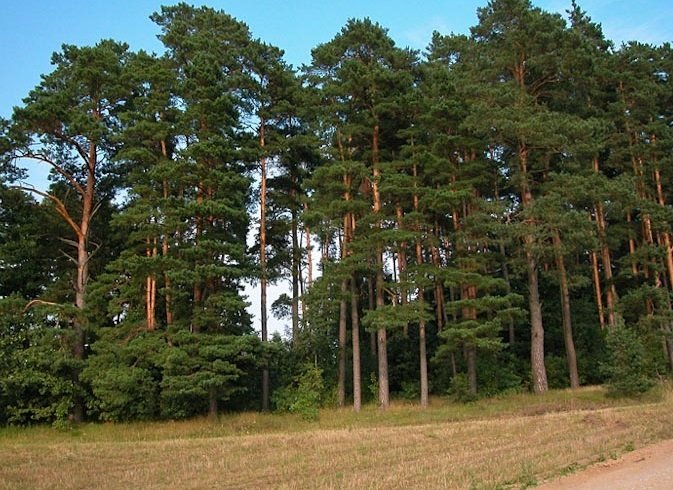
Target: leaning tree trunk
[[571, 355], [595, 276], [606, 259]]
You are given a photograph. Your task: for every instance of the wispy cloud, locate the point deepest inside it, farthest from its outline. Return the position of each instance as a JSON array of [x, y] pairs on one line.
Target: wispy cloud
[[418, 37], [654, 31]]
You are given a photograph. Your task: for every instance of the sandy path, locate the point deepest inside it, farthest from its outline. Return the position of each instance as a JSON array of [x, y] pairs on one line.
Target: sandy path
[[648, 468]]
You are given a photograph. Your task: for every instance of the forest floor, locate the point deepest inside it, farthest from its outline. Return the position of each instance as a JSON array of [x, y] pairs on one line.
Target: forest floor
[[514, 441]]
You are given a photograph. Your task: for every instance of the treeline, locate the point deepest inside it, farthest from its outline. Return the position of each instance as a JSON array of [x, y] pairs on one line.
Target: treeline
[[492, 214]]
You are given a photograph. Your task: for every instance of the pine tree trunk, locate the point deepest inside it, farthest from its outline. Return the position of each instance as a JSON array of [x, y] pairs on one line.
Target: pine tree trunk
[[422, 350], [471, 359], [343, 318], [632, 247], [82, 264], [372, 305], [421, 335], [439, 291], [343, 302], [606, 258], [309, 253], [402, 264], [150, 289], [571, 355], [422, 347], [611, 290], [262, 265], [381, 334], [296, 266], [309, 265], [595, 276], [470, 313], [665, 235], [539, 372], [355, 338], [168, 302]]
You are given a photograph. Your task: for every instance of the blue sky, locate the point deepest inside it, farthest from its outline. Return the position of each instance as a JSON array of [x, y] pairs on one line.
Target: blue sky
[[30, 30]]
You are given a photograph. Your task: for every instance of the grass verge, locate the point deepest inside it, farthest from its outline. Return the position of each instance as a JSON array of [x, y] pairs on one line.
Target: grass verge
[[513, 441]]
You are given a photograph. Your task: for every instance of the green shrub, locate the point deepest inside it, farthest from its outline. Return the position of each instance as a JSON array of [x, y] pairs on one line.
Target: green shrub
[[125, 393], [626, 370], [304, 396], [557, 372], [373, 386], [460, 389], [411, 390]]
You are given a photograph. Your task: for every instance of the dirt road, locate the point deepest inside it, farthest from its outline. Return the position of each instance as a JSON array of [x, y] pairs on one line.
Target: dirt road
[[649, 468]]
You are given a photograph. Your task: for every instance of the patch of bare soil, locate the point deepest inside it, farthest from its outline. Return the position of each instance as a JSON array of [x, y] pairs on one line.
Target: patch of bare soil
[[648, 468]]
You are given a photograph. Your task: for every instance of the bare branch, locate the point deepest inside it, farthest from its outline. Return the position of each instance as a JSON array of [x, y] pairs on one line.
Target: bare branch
[[69, 257], [34, 302], [93, 252], [60, 206], [58, 168], [72, 243], [96, 208]]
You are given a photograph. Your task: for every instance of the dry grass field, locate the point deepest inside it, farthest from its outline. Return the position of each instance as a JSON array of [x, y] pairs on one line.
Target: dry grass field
[[514, 441]]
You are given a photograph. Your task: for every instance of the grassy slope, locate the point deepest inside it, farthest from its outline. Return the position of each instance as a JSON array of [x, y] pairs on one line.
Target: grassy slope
[[511, 441]]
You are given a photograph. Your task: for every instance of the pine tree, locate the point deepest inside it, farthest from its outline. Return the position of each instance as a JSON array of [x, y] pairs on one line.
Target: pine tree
[[365, 75], [69, 122]]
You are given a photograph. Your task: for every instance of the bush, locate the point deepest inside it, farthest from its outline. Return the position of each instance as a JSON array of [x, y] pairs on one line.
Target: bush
[[411, 390], [373, 386], [557, 372], [626, 370], [460, 389], [125, 393], [303, 396], [500, 372]]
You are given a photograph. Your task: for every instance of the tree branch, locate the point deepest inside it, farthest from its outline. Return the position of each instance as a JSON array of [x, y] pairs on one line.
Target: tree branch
[[58, 168], [72, 243], [82, 153], [69, 257], [60, 206], [34, 302]]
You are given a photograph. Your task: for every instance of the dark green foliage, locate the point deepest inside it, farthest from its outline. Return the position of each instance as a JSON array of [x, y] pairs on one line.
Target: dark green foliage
[[627, 371], [125, 378], [304, 395], [38, 376], [460, 389], [28, 250], [200, 370]]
